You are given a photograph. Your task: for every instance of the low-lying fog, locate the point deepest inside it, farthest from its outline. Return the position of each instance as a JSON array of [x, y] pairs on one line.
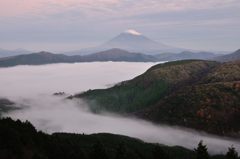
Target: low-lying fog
[[33, 87]]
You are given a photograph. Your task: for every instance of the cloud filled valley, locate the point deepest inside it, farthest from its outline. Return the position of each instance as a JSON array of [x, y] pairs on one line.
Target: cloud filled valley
[[33, 86]]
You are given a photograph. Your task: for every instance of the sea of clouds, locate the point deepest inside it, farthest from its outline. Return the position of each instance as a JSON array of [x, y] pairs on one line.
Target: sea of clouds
[[32, 88]]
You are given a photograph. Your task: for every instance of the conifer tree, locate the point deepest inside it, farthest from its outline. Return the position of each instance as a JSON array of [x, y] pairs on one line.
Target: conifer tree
[[232, 153], [202, 151]]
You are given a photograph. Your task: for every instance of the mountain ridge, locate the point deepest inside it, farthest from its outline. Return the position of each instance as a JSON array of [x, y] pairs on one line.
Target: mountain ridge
[[229, 57], [6, 53], [50, 58], [114, 54]]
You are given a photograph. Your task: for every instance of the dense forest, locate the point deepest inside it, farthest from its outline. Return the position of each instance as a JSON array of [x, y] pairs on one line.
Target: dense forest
[[20, 140]]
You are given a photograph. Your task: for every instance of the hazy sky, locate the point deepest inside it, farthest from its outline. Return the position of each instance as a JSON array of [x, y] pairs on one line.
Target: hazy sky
[[57, 25]]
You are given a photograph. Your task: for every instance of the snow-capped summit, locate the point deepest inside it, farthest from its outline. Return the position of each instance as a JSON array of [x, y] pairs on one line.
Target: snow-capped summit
[[132, 31], [134, 41]]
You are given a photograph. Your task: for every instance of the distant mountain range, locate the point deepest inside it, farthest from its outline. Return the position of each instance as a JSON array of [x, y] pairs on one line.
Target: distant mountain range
[[108, 55], [6, 53], [203, 95], [229, 57], [185, 55], [49, 58], [132, 41], [118, 55]]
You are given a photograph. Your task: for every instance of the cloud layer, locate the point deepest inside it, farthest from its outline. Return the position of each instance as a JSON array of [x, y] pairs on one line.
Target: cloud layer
[[16, 7]]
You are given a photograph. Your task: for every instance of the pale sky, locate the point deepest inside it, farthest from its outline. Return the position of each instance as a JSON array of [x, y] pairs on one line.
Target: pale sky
[[61, 25]]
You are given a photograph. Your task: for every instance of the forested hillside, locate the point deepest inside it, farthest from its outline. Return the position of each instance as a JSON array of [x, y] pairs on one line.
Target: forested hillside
[[203, 95]]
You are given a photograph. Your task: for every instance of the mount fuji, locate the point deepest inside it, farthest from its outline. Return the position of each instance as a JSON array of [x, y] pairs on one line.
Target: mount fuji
[[132, 41]]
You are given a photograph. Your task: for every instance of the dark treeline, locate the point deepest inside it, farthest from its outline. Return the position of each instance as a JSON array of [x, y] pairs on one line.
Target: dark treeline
[[20, 140]]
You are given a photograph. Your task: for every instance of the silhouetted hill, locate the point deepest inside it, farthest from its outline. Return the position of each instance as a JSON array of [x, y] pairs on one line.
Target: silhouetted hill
[[36, 59], [6, 53], [49, 58], [204, 95]]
